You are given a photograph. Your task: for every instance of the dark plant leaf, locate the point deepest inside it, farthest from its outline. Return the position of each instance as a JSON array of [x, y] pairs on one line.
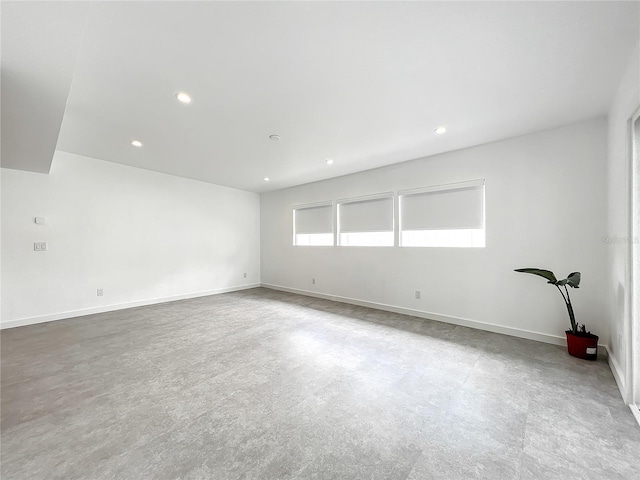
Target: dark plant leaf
[[561, 283], [573, 280], [542, 273]]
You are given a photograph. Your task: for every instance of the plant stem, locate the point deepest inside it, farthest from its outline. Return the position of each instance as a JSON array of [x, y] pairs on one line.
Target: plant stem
[[567, 302], [572, 316]]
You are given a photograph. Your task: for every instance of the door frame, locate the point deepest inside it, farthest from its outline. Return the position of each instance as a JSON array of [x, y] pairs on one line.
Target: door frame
[[634, 264]]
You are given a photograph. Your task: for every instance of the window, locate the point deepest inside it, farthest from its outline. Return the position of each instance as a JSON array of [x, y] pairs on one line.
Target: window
[[313, 225], [443, 216], [366, 221]]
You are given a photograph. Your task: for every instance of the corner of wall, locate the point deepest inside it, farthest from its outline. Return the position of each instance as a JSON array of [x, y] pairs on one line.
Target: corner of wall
[[625, 102], [618, 375]]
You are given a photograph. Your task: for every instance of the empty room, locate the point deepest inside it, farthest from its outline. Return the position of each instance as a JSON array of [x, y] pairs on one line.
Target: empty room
[[320, 240]]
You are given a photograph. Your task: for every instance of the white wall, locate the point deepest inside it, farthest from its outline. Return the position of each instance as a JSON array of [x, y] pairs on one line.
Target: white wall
[[626, 102], [141, 236], [545, 207]]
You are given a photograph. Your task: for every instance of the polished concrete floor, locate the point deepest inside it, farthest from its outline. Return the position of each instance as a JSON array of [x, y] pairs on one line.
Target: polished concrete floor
[[267, 385]]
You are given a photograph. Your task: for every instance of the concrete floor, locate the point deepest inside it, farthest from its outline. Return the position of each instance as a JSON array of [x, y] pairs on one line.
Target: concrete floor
[[267, 385]]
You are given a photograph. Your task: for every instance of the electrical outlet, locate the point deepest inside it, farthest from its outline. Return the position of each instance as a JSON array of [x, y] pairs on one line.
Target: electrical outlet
[[100, 292], [418, 295], [39, 246], [313, 281]]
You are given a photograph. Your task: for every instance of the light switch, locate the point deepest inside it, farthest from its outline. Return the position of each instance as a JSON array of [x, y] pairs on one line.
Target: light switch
[[39, 246], [39, 220]]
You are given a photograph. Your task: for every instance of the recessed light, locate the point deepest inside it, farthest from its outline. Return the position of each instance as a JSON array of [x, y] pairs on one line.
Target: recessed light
[[183, 97], [329, 161], [136, 143], [441, 129], [266, 179], [274, 137]]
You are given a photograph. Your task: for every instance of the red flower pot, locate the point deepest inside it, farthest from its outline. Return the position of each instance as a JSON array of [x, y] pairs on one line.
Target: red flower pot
[[582, 345]]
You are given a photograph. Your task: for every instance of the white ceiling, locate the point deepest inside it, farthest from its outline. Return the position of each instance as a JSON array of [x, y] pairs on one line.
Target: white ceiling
[[38, 58], [363, 83]]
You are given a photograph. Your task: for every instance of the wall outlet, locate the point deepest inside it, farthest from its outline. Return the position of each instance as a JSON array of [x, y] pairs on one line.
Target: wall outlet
[[99, 292], [244, 275], [313, 281], [418, 295], [39, 246]]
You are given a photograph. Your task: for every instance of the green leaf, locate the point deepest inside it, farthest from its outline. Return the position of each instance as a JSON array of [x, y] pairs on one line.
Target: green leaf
[[561, 283], [573, 280], [541, 273]]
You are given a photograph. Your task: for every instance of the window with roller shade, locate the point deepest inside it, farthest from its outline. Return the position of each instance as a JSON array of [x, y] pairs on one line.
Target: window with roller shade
[[366, 221], [313, 225], [443, 216]]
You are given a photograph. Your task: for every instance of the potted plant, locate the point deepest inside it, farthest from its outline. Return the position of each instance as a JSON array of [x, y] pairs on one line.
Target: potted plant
[[580, 343]]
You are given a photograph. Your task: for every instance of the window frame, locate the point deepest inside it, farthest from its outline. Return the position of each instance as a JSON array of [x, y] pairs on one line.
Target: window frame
[[442, 188], [326, 203], [365, 198]]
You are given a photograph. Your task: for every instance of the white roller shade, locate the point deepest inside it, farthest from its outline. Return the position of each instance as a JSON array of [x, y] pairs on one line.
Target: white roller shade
[[443, 209], [317, 219], [368, 215]]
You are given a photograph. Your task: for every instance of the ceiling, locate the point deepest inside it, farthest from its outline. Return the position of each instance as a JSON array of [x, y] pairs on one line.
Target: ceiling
[[362, 83]]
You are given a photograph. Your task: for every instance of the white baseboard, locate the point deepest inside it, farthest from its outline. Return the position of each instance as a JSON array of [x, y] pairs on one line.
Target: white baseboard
[[618, 376], [464, 322], [636, 412], [121, 306], [490, 327]]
